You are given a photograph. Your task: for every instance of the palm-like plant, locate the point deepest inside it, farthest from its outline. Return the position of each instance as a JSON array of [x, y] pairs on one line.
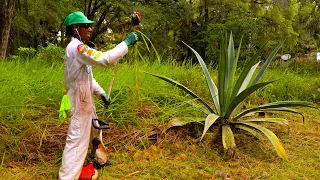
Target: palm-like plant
[[229, 94]]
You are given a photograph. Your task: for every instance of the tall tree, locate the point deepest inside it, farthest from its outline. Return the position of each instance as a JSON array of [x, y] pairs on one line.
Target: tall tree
[[107, 14], [7, 11], [37, 22], [307, 24]]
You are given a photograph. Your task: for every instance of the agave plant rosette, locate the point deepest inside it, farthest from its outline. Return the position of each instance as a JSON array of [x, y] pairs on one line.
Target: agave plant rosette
[[229, 94]]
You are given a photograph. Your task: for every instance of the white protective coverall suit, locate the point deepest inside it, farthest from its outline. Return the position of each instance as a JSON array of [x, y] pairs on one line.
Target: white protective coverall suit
[[80, 86]]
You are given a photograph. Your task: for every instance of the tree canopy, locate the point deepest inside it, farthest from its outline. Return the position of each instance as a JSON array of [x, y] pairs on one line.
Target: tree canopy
[[167, 23]]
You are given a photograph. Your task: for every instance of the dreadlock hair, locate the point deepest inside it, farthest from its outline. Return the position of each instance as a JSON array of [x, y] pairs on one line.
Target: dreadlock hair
[[70, 31]]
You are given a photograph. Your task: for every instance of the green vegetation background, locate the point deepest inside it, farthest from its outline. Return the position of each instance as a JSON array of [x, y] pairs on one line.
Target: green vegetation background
[[32, 138]]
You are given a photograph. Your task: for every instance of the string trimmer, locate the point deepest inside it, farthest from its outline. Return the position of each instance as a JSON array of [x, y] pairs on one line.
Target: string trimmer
[[99, 154]]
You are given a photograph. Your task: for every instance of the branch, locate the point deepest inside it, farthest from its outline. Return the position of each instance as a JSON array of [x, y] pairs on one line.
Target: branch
[[256, 1], [96, 7], [89, 7], [97, 30]]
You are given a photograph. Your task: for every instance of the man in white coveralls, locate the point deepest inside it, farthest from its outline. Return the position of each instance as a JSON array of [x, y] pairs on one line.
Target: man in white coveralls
[[80, 87]]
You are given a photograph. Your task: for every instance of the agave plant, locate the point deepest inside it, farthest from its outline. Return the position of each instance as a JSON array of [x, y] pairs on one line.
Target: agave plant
[[229, 94]]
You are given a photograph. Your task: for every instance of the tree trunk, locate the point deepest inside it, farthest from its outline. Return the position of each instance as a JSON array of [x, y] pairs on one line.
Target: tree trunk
[[206, 11], [7, 8]]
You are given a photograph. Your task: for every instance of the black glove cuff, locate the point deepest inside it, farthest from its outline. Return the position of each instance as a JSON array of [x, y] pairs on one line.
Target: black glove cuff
[[106, 101]]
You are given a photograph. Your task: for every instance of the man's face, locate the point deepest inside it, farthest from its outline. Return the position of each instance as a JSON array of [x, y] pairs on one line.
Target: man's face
[[84, 31]]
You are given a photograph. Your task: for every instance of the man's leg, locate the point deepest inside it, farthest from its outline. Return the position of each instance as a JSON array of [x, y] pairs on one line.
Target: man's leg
[[76, 148]]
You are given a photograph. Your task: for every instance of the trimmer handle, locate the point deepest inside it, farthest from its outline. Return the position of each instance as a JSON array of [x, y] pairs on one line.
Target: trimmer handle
[[101, 124], [95, 145]]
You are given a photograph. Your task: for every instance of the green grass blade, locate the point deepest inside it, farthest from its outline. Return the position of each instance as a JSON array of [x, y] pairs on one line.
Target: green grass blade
[[242, 96], [266, 64], [211, 84], [179, 85], [227, 137], [211, 118], [272, 137], [245, 71], [278, 106], [248, 78]]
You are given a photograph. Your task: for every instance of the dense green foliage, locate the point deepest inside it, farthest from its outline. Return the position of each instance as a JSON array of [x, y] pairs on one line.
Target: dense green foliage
[[167, 23]]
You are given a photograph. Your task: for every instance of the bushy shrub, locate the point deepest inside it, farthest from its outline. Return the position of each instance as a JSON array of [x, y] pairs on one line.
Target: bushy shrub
[[51, 53], [26, 53]]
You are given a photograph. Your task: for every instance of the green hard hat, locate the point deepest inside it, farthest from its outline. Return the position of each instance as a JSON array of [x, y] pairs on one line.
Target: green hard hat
[[77, 18]]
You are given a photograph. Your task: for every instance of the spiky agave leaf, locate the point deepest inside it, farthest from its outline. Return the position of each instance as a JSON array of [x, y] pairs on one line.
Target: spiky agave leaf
[[272, 120], [253, 132], [285, 109], [211, 84], [179, 85], [282, 109], [271, 136], [246, 71], [198, 106], [275, 107], [266, 64], [241, 97], [248, 78], [244, 81], [223, 76], [178, 122], [227, 67], [227, 138], [233, 73], [211, 119], [231, 67]]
